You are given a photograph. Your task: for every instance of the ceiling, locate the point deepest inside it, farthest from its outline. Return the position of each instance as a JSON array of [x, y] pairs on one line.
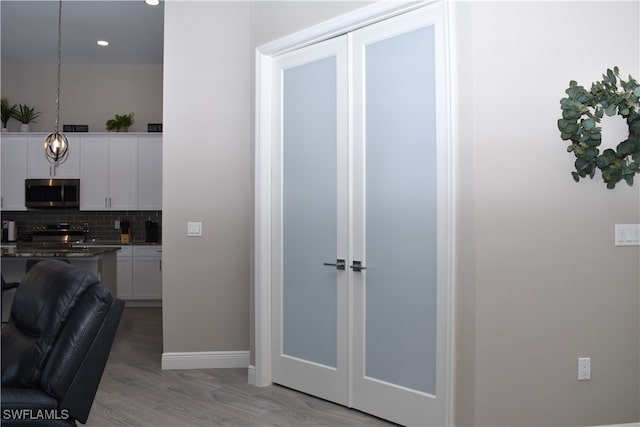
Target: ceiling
[[29, 32]]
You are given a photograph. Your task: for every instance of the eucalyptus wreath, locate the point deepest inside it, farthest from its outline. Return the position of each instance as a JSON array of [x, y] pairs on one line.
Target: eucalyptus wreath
[[582, 110]]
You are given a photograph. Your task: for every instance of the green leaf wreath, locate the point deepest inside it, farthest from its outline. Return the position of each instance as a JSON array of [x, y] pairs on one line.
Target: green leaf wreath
[[582, 110]]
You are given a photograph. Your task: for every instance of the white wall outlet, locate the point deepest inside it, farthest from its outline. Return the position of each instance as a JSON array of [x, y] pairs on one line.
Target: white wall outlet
[[116, 225], [194, 229], [584, 368]]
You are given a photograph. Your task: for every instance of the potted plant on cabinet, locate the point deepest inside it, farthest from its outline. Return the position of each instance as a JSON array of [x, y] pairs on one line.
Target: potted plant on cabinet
[[120, 123], [6, 112], [25, 115]]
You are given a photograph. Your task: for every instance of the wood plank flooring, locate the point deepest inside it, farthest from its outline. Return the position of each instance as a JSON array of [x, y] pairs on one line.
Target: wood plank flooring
[[134, 391]]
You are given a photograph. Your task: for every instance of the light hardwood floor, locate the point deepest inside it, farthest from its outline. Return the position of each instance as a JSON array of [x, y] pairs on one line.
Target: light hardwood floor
[[135, 392]]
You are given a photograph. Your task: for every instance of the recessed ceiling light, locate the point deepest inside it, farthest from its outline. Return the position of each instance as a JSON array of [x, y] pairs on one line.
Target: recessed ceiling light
[[152, 2], [103, 43]]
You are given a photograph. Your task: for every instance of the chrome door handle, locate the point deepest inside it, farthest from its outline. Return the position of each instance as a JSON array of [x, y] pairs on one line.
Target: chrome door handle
[[357, 266], [340, 264]]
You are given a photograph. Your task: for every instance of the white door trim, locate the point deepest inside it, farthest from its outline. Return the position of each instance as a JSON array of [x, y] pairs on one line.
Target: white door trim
[[261, 373]]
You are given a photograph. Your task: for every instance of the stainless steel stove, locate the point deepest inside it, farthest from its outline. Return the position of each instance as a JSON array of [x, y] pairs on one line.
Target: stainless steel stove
[[61, 235]]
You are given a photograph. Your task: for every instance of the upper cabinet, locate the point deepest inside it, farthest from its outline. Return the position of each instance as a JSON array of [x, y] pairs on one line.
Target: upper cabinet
[[117, 171], [14, 172], [150, 172], [108, 178], [39, 166]]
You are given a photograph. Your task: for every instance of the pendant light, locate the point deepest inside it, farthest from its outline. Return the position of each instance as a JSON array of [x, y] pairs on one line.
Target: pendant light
[[56, 144]]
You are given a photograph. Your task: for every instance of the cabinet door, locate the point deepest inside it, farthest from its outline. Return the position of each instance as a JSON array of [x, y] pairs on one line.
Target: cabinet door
[[150, 172], [123, 173], [14, 172], [94, 175], [147, 272], [39, 166], [125, 273]]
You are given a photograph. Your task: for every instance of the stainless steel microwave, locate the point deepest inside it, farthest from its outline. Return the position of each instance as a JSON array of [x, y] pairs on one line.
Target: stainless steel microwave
[[52, 193]]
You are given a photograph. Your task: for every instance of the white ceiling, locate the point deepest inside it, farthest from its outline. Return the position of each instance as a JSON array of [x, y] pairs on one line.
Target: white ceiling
[[29, 31]]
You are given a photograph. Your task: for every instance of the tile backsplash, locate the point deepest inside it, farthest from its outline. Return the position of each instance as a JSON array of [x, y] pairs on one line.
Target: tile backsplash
[[101, 223]]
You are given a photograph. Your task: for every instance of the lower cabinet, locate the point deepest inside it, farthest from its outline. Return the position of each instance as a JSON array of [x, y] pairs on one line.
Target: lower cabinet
[[125, 272], [140, 272], [147, 272]]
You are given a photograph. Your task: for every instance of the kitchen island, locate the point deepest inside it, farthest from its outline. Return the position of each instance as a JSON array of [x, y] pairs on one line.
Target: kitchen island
[[101, 261]]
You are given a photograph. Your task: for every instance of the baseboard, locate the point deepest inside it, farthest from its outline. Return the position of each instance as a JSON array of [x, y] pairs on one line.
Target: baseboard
[[622, 425], [142, 303], [205, 360], [251, 375]]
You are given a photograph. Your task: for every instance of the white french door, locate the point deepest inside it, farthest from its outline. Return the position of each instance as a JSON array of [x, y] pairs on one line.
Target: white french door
[[399, 218], [360, 219], [310, 299]]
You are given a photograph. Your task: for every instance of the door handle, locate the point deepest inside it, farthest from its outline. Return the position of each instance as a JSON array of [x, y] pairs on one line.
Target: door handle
[[340, 264], [357, 266]]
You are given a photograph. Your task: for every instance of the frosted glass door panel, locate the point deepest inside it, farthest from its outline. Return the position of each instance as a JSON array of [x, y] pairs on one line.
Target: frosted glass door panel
[[310, 212], [401, 211]]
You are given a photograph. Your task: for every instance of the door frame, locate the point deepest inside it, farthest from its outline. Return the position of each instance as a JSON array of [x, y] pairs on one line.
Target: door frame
[[260, 373]]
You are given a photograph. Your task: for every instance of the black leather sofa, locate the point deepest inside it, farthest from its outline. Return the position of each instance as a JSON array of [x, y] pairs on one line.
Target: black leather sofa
[[56, 345]]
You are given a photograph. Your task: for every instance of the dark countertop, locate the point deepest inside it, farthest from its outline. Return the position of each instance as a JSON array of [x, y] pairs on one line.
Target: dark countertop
[[31, 252], [114, 242]]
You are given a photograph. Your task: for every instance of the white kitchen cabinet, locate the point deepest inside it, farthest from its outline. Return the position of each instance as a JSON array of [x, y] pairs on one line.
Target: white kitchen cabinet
[[125, 272], [14, 172], [147, 272], [150, 172], [39, 166], [108, 178]]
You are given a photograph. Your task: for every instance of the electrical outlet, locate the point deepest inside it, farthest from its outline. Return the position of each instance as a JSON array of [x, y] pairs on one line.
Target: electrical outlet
[[584, 368], [116, 225]]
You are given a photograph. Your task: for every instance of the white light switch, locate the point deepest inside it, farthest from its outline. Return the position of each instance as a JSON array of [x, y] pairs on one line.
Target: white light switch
[[194, 229], [627, 235]]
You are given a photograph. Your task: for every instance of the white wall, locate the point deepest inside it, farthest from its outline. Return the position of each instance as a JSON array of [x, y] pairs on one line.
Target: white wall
[[107, 90], [207, 137], [540, 282]]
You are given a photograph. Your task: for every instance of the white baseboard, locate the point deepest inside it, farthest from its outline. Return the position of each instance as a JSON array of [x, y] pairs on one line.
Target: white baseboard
[[622, 425], [205, 360], [251, 375]]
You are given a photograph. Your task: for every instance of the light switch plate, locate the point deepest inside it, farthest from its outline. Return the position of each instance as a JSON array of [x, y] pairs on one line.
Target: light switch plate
[[194, 229], [627, 235]]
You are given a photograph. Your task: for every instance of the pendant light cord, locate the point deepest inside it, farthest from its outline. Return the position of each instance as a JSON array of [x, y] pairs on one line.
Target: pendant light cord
[[59, 55]]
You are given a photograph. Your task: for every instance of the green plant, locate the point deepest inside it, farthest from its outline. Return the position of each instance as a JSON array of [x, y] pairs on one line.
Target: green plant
[[6, 111], [582, 110], [120, 122], [25, 114]]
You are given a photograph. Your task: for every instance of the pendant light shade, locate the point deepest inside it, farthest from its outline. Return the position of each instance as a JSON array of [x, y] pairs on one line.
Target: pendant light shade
[[56, 147], [56, 144]]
